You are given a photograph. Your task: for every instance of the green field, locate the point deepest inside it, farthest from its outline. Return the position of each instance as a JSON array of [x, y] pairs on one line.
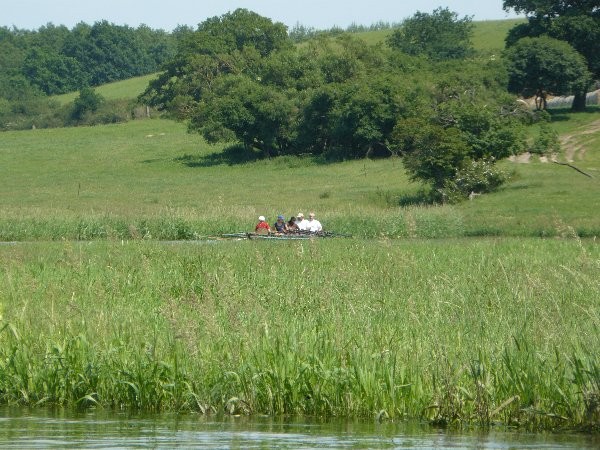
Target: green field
[[452, 329], [151, 178], [125, 89]]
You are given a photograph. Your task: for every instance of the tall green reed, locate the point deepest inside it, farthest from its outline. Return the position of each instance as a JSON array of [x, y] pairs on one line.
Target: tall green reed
[[454, 332]]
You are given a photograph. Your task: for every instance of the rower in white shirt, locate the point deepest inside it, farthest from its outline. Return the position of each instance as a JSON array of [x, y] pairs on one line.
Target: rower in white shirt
[[301, 222], [313, 225]]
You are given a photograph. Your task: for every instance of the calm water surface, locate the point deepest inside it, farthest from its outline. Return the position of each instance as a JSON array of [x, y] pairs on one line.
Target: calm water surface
[[46, 428]]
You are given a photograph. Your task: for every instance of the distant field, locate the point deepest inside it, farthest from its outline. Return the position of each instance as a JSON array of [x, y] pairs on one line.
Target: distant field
[[125, 89], [488, 36], [152, 178]]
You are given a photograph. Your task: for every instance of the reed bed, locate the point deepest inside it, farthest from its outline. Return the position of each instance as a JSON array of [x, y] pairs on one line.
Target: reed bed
[[451, 331]]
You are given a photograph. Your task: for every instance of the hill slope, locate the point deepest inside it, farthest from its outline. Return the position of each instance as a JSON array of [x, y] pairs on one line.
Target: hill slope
[[150, 176]]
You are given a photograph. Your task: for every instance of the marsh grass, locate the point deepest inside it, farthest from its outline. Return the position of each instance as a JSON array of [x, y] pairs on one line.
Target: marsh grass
[[453, 332]]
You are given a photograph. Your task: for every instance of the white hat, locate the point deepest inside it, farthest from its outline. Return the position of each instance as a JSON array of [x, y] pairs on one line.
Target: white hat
[[261, 218], [299, 215]]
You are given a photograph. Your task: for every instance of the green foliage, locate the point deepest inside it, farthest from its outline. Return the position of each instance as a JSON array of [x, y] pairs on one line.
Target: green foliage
[[58, 60], [575, 22], [256, 115], [439, 35], [53, 73], [236, 30], [545, 64], [87, 102], [54, 60], [454, 146], [431, 153], [547, 142], [474, 177], [339, 98], [352, 119], [230, 44]]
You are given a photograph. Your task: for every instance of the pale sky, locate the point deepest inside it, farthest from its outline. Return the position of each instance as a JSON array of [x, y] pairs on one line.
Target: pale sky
[[167, 14]]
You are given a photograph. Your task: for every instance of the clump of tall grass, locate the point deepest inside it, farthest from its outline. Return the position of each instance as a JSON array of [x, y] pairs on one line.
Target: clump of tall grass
[[421, 222], [453, 332]]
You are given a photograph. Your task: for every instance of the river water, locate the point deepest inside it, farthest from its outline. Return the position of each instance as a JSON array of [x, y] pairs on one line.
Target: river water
[[22, 428]]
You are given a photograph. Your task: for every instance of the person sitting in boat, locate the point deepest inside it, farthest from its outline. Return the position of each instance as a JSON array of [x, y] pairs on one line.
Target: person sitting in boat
[[301, 222], [262, 227], [313, 225], [280, 226], [292, 226]]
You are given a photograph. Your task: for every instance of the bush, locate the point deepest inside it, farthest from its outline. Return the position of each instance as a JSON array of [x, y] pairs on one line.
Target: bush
[[546, 142], [88, 102], [475, 177]]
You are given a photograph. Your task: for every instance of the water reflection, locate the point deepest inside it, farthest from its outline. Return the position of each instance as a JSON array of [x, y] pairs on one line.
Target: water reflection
[[49, 428]]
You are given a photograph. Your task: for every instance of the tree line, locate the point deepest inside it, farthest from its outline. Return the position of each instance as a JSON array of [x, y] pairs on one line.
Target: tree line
[[56, 60], [35, 64]]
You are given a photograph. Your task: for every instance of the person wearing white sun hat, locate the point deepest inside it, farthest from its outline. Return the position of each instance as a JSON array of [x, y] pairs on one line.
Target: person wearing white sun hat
[[262, 227], [301, 222]]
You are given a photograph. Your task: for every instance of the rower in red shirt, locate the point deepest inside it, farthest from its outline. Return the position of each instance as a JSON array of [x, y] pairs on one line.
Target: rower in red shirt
[[262, 227]]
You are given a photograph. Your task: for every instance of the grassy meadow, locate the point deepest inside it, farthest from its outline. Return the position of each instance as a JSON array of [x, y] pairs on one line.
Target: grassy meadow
[[97, 310], [150, 178], [116, 293]]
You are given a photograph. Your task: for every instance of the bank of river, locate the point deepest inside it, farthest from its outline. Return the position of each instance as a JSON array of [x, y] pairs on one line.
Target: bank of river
[[60, 428]]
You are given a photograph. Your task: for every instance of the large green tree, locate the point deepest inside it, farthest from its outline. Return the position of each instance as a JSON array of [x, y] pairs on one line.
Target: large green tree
[[230, 44], [52, 72], [452, 145], [574, 21], [241, 108], [439, 35], [544, 64]]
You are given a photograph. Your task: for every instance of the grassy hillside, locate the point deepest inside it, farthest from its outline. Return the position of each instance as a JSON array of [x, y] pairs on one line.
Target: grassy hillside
[[488, 35], [153, 178], [125, 89]]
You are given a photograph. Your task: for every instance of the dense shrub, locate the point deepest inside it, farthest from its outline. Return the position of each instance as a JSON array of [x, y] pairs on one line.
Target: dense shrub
[[474, 177], [546, 141]]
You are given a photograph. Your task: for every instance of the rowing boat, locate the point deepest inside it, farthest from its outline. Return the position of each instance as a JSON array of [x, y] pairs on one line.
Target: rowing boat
[[302, 235]]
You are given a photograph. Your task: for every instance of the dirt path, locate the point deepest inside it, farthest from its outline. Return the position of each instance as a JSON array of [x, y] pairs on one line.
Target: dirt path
[[571, 144]]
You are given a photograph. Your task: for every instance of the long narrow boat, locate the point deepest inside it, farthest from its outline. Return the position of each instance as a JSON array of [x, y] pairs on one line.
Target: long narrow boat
[[302, 235]]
